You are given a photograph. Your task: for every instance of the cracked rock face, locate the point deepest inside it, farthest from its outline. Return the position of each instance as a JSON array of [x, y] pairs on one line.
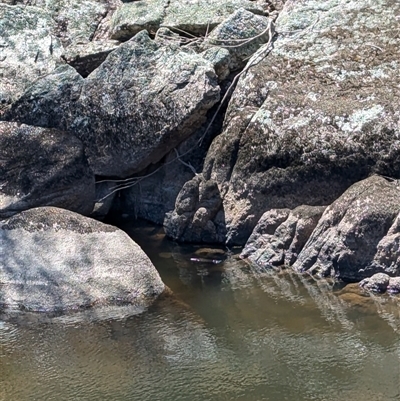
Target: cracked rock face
[[358, 234], [144, 100], [195, 17], [316, 115], [43, 167], [280, 235], [82, 263]]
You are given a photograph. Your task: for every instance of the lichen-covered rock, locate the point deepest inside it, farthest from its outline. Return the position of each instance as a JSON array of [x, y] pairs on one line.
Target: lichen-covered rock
[[269, 247], [75, 20], [86, 57], [55, 260], [144, 100], [387, 254], [42, 167], [28, 49], [51, 101], [220, 58], [316, 115], [347, 240], [195, 17], [242, 33]]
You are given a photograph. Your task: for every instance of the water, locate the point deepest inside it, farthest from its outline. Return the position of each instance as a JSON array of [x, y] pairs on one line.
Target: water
[[229, 333]]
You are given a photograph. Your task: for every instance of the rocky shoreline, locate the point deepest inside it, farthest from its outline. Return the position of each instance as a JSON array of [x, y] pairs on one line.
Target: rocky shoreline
[[272, 125]]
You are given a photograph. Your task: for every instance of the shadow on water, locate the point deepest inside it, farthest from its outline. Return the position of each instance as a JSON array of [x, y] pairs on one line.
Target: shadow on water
[[229, 331]]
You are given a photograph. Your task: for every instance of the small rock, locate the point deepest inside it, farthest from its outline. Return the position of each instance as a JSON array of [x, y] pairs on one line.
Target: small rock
[[377, 283]]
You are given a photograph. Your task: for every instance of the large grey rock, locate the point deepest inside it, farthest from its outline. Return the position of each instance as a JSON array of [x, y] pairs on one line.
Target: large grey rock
[[268, 247], [314, 116], [55, 260], [143, 101], [28, 49], [195, 17], [43, 167], [347, 242]]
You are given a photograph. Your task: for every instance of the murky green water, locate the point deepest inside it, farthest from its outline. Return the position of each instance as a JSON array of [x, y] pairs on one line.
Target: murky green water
[[231, 333]]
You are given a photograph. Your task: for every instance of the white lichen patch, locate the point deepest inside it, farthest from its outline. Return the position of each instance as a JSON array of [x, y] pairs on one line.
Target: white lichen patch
[[359, 118]]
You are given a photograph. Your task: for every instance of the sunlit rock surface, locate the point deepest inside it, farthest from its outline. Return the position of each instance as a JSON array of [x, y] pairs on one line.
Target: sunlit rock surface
[[194, 17], [53, 260], [29, 49], [316, 115], [143, 101]]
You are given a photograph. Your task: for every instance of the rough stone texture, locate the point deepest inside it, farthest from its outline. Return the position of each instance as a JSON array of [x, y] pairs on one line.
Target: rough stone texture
[[28, 49], [347, 242], [242, 33], [196, 217], [376, 283], [193, 16], [137, 106], [81, 263], [316, 115], [75, 20], [43, 167], [86, 57], [220, 59], [50, 101], [268, 247], [394, 285], [388, 250]]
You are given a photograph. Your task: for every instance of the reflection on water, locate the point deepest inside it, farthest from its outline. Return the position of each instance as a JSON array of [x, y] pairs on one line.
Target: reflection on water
[[229, 332]]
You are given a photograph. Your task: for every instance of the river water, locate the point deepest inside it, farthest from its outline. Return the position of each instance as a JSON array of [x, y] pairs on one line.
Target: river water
[[230, 332]]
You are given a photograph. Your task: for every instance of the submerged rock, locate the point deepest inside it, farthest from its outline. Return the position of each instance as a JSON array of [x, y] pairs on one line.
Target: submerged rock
[[347, 242], [56, 260], [43, 167], [144, 100]]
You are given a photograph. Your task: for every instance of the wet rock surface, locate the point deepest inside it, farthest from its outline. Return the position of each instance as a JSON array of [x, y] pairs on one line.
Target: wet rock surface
[[81, 263], [43, 167]]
